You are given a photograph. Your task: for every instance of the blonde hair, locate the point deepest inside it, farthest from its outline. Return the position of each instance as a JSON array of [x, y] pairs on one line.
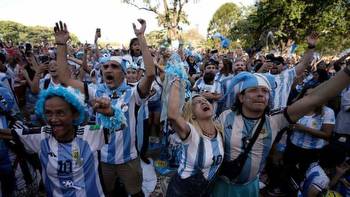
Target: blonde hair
[[187, 114]]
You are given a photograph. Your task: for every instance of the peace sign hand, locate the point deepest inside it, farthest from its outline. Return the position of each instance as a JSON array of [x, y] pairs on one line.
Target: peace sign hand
[[140, 31], [61, 33]]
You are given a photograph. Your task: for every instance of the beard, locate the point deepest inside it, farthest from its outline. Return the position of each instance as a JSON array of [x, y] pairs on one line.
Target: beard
[[208, 77]]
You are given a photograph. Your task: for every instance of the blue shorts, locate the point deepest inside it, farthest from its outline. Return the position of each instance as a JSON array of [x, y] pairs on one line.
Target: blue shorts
[[155, 106]]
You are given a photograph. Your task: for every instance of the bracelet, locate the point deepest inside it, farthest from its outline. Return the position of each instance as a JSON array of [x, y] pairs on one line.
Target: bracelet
[[60, 43], [347, 70]]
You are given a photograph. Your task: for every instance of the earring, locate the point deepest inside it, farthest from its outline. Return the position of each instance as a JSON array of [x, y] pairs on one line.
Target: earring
[[194, 117]]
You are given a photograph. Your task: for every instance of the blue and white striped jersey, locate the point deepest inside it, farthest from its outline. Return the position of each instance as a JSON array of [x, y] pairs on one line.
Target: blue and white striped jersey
[[307, 141], [226, 102], [42, 83], [316, 177], [284, 82], [68, 169], [156, 91], [237, 129], [201, 153], [219, 76], [122, 147]]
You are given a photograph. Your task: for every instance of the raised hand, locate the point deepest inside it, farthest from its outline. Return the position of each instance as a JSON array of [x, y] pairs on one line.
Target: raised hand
[[87, 47], [61, 33], [140, 31]]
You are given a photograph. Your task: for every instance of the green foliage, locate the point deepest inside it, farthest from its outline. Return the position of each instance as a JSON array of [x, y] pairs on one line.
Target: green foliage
[[295, 19], [19, 33], [170, 14], [224, 19], [156, 38]]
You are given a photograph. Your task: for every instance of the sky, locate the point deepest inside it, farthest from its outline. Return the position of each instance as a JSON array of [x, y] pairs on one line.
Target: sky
[[112, 16]]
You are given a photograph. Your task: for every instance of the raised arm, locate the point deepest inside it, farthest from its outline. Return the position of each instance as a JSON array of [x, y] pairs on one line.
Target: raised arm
[[308, 55], [146, 82], [97, 50], [85, 66], [178, 123], [61, 38], [39, 70], [320, 95]]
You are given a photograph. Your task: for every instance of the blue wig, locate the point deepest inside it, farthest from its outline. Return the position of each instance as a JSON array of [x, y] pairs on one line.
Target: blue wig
[[70, 95]]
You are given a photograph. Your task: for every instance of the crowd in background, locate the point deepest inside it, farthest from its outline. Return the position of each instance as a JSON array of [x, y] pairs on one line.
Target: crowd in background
[[206, 108]]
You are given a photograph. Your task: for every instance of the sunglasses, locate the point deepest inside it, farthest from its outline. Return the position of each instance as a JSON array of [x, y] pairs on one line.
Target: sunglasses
[[113, 66]]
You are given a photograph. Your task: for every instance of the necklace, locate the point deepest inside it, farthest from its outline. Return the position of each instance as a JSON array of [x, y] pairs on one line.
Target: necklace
[[209, 135]]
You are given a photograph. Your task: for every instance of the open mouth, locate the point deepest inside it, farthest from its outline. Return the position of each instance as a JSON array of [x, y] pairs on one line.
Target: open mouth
[[205, 108], [57, 128], [109, 78]]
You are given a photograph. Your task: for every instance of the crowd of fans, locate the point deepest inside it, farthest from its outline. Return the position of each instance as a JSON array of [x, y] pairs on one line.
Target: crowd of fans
[[77, 120]]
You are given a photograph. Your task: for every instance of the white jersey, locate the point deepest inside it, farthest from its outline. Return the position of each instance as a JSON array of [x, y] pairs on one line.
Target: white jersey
[[212, 88], [237, 129], [156, 92], [50, 83], [284, 82], [307, 141], [68, 169], [200, 153], [316, 177], [122, 147]]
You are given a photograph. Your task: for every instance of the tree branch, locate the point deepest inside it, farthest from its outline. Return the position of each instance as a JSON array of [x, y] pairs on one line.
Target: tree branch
[[179, 12], [143, 8]]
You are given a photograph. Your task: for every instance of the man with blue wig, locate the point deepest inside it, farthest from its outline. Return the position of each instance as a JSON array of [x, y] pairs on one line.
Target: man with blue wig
[[119, 158]]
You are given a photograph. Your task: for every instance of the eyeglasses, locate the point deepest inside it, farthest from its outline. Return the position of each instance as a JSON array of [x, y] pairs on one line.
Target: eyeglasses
[[114, 66]]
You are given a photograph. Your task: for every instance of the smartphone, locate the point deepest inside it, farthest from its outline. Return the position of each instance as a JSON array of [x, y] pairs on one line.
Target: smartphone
[[98, 32]]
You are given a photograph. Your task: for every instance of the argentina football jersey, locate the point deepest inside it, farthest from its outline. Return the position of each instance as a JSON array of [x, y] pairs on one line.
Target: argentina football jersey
[[68, 169], [121, 148]]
